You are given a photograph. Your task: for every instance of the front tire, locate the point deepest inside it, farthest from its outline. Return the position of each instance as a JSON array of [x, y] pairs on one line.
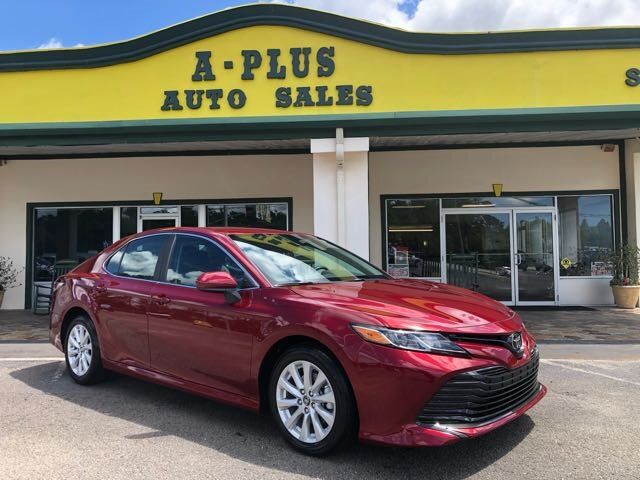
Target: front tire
[[82, 352], [311, 401]]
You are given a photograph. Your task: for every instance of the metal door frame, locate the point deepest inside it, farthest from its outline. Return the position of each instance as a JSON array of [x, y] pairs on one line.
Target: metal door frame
[[556, 260], [159, 216], [512, 213]]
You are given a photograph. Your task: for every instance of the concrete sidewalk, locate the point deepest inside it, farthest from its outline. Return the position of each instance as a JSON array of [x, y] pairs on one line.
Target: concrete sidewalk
[[23, 326], [606, 325], [549, 325]]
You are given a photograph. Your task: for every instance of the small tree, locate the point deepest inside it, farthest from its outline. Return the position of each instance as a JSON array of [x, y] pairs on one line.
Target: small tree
[[626, 265], [8, 274]]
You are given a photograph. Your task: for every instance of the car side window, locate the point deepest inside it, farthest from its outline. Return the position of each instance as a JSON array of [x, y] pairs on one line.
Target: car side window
[[192, 256], [113, 265], [140, 257]]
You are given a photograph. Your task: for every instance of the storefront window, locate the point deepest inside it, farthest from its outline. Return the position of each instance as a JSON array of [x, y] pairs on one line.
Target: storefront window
[[215, 216], [256, 215], [413, 237], [68, 235], [585, 225], [128, 221], [189, 216]]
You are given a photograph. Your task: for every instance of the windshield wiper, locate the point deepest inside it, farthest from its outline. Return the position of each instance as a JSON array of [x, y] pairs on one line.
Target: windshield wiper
[[360, 278], [291, 284]]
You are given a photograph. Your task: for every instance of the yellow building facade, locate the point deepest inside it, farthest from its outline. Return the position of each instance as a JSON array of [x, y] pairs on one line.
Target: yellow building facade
[[501, 162]]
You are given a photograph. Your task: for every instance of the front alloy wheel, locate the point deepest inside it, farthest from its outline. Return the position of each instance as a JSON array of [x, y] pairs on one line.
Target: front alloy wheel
[[311, 400], [305, 401]]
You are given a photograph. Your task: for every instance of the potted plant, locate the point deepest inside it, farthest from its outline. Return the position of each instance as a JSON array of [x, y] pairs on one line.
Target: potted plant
[[8, 276], [625, 284]]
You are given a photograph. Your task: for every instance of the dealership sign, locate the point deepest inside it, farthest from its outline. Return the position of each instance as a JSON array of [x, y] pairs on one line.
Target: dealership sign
[[301, 63], [275, 65]]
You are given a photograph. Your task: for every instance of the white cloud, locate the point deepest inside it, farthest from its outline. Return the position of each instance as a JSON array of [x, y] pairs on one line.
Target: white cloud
[[485, 15], [53, 42], [383, 11]]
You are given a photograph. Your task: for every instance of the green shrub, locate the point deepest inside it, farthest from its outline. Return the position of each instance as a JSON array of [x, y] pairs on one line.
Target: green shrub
[[626, 264], [8, 274]]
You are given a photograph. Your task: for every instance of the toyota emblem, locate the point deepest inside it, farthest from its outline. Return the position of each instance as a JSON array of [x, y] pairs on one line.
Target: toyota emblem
[[515, 342]]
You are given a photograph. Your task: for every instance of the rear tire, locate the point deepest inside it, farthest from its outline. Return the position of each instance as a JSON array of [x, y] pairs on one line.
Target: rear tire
[[311, 401], [82, 352]]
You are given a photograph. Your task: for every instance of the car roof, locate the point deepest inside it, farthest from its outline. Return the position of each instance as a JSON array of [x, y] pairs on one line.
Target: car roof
[[218, 230]]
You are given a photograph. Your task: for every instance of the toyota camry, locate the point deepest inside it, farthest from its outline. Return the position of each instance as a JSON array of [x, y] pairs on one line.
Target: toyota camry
[[329, 345]]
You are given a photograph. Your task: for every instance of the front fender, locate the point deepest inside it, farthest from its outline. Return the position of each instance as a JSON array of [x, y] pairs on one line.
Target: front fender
[[325, 326]]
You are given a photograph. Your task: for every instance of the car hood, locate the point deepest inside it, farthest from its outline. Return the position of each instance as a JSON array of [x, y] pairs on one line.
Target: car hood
[[415, 304]]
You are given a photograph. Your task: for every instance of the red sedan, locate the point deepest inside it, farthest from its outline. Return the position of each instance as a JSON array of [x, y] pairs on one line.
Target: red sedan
[[332, 346]]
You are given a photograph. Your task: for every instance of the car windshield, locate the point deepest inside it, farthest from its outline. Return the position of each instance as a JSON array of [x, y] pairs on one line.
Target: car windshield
[[292, 259]]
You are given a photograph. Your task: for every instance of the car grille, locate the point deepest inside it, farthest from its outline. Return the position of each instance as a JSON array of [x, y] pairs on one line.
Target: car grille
[[483, 395]]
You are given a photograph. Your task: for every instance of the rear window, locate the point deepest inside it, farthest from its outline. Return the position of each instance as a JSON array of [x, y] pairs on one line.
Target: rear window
[[139, 259]]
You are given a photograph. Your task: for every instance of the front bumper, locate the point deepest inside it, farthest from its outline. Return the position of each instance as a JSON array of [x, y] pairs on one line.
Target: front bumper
[[414, 435], [401, 383]]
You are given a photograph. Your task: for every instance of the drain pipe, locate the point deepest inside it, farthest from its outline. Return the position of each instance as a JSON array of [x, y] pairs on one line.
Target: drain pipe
[[340, 188]]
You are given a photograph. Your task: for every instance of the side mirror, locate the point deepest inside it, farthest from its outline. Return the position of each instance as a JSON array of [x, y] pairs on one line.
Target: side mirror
[[216, 281]]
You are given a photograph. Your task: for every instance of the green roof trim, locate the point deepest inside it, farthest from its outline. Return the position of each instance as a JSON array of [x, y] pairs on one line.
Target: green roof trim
[[607, 117], [323, 22]]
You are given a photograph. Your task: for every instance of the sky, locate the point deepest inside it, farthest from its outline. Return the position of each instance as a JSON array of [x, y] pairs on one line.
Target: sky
[[31, 24]]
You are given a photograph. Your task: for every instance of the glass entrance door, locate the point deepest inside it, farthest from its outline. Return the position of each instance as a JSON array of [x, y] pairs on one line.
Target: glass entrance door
[[534, 257], [506, 254], [151, 223], [158, 217], [478, 253]]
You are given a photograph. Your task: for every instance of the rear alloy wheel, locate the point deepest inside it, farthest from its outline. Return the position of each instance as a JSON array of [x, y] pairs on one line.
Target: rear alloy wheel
[[82, 352], [311, 401]]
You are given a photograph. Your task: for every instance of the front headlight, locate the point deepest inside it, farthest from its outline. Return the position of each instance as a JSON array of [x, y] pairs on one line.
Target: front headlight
[[409, 339]]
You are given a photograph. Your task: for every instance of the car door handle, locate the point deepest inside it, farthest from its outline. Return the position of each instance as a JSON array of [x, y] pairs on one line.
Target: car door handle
[[160, 299]]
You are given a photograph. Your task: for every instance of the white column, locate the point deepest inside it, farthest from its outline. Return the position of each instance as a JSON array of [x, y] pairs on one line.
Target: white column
[[342, 219], [116, 224], [202, 215]]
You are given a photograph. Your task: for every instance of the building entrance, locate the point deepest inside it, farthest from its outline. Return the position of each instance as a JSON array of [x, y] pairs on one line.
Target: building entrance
[[508, 254]]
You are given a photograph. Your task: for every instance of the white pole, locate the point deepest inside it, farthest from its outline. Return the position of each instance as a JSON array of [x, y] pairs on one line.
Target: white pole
[[340, 188], [116, 224], [202, 215]]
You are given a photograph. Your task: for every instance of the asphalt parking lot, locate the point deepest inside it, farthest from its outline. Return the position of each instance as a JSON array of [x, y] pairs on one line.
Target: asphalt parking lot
[[587, 427]]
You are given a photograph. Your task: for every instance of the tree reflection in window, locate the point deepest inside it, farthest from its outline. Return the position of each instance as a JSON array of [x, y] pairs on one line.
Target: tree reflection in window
[[253, 215], [586, 234]]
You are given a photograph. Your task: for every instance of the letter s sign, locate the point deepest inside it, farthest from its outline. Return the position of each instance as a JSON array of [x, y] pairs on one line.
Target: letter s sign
[[633, 77]]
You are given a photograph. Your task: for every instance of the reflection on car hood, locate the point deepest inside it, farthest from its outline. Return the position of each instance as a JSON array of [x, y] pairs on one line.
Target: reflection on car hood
[[406, 303]]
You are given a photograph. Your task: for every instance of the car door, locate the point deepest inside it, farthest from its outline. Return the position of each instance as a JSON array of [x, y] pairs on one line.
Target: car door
[[196, 335], [122, 297]]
